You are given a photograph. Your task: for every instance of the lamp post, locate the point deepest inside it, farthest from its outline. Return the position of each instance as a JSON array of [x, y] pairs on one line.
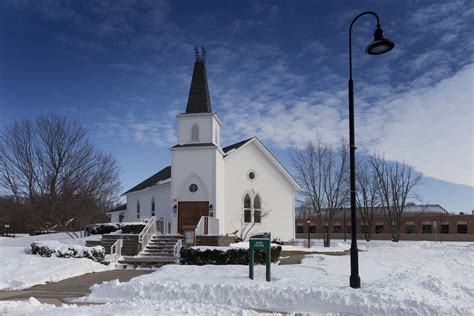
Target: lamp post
[[345, 225], [378, 46], [309, 237]]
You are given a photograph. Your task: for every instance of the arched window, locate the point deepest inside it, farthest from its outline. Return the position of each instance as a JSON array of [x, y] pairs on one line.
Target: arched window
[[153, 207], [138, 209], [247, 209], [195, 133], [257, 209]]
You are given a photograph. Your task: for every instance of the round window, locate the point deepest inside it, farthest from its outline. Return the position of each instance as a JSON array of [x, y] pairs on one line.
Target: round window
[[193, 187], [251, 175]]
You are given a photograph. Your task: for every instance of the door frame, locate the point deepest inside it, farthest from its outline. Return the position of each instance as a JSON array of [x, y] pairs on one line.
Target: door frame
[[194, 224]]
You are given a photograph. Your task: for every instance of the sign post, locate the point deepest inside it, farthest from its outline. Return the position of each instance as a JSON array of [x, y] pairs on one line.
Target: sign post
[[260, 242]]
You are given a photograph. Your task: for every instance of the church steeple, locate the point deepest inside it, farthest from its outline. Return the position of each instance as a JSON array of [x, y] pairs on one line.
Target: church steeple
[[199, 100]]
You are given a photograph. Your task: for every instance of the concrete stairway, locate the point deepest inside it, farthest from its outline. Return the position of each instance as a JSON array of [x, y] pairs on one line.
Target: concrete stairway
[[161, 246], [130, 247], [157, 253]]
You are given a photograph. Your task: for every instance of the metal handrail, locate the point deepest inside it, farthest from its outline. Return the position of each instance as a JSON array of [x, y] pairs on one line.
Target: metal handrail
[[147, 232], [116, 249], [177, 248]]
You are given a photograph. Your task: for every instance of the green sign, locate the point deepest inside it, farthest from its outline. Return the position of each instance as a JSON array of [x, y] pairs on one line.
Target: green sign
[[260, 242]]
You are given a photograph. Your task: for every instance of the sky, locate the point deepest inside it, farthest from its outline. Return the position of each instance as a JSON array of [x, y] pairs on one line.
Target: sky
[[276, 69]]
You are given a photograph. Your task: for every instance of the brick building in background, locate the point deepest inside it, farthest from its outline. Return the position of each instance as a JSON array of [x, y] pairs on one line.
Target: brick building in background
[[419, 222]]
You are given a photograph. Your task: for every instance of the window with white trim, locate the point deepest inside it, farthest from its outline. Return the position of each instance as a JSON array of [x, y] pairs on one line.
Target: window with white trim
[[257, 209], [153, 207], [195, 133], [252, 208], [247, 209]]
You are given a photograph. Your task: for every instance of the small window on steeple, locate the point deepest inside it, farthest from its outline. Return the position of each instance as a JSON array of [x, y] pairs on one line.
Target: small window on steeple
[[195, 133]]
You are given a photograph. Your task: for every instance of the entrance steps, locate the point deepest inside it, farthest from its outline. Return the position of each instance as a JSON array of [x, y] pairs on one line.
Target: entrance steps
[[157, 253]]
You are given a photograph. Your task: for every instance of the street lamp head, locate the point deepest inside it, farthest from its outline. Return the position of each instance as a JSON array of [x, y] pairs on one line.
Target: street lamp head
[[380, 44]]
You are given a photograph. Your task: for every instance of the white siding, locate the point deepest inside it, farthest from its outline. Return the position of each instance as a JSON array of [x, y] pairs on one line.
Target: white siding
[[276, 191], [161, 195], [208, 125]]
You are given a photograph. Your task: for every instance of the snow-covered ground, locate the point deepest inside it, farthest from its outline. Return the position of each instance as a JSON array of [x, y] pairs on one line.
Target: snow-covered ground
[[316, 246], [405, 278], [21, 270]]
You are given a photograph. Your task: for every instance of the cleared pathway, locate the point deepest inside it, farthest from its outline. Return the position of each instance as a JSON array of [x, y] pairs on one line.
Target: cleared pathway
[[58, 292]]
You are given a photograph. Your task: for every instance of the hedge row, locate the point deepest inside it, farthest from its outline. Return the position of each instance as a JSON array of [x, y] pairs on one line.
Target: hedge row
[[107, 228], [190, 256], [57, 249]]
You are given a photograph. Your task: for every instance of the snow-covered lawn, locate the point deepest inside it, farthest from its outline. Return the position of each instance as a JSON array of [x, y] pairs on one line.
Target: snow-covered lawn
[[405, 278], [316, 246], [21, 270]]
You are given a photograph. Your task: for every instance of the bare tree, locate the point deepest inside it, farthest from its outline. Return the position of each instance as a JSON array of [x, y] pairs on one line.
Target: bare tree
[[51, 167], [304, 209], [396, 186], [247, 227], [367, 195], [253, 214], [322, 171]]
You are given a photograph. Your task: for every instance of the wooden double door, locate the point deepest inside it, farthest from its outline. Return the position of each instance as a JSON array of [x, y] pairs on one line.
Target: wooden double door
[[189, 214]]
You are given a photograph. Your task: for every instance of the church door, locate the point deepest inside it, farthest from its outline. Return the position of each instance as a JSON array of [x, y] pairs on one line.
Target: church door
[[189, 214]]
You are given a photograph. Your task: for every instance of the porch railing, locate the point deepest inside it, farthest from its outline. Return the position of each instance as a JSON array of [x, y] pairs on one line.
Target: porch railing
[[163, 226], [207, 226], [147, 232], [177, 248], [116, 249]]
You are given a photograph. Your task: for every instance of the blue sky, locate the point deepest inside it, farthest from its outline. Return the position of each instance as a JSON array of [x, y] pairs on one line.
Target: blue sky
[[276, 69]]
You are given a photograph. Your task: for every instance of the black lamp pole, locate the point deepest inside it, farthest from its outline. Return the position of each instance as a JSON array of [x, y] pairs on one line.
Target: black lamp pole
[[379, 45], [309, 237]]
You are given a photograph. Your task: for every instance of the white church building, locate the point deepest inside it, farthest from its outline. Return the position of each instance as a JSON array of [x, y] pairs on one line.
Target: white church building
[[209, 189]]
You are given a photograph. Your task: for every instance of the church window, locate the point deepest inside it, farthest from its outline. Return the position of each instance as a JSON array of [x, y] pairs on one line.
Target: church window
[[138, 210], [193, 188], [247, 209], [195, 133], [153, 207], [251, 175], [257, 210]]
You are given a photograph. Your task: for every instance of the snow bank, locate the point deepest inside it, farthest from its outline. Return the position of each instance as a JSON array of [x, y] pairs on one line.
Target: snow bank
[[316, 246], [138, 307], [20, 270], [48, 248], [118, 228], [405, 278], [397, 278]]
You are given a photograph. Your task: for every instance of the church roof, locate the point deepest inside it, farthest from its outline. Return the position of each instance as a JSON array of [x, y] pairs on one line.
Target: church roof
[[161, 175], [165, 173], [199, 100], [193, 145], [236, 145], [121, 207]]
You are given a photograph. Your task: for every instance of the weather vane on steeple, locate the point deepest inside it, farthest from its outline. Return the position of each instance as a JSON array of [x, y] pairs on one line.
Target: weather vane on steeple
[[203, 54], [196, 53], [201, 58]]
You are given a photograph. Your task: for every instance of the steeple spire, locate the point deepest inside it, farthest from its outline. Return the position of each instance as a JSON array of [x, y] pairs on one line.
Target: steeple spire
[[199, 100]]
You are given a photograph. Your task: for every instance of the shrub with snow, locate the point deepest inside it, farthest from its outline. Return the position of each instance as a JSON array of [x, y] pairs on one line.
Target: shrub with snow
[[107, 228], [192, 256], [48, 248]]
